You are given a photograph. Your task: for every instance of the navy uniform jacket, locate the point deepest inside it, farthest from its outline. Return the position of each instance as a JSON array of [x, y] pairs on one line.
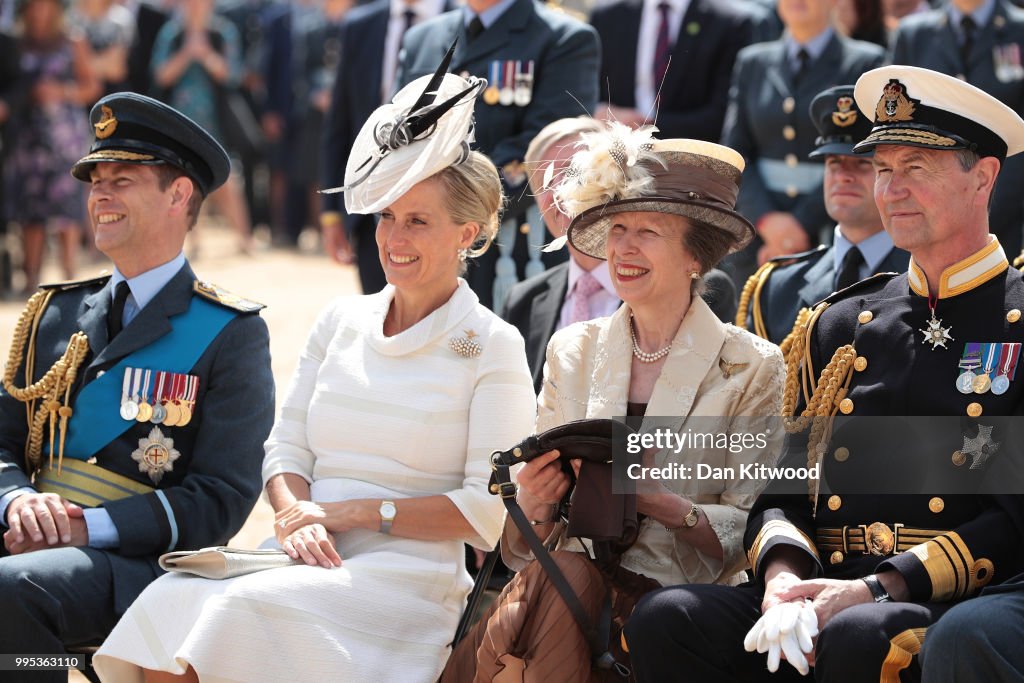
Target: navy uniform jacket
[[902, 376], [534, 307], [566, 55], [801, 281], [693, 101], [767, 122], [927, 40], [216, 481], [356, 94]]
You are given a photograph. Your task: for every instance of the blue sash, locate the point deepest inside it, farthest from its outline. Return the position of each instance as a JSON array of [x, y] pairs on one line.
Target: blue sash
[[97, 420]]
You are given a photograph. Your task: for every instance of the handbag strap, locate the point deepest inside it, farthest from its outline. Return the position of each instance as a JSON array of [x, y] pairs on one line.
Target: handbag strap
[[601, 656], [483, 576]]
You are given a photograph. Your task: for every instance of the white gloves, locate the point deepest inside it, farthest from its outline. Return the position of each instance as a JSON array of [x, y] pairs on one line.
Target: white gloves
[[787, 629]]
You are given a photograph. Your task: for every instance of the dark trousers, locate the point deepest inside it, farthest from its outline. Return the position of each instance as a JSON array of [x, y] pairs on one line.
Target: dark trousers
[[978, 640], [51, 600], [695, 634], [364, 243]]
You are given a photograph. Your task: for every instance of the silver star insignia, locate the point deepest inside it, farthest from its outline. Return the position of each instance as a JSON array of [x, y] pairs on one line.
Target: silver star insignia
[[981, 447], [935, 334]]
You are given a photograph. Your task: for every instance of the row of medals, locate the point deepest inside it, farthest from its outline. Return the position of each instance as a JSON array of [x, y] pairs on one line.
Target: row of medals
[[168, 412], [509, 84], [969, 382]]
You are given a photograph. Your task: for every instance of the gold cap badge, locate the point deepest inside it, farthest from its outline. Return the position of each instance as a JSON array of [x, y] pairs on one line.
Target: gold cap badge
[[107, 124], [895, 104], [845, 113]]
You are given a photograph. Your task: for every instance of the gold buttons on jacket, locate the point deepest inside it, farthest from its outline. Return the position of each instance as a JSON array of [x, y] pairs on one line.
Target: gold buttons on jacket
[[959, 458], [865, 317], [836, 557], [791, 160], [936, 505], [791, 191], [834, 503], [788, 105], [974, 409], [1013, 316], [842, 454], [789, 132], [524, 229], [861, 364], [846, 406]]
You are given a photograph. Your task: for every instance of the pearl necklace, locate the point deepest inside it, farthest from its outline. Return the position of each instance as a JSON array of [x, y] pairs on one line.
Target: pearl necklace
[[642, 355]]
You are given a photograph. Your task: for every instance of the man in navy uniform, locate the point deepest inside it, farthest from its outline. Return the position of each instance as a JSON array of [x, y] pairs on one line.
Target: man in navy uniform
[[772, 87], [541, 65], [782, 287], [980, 41], [942, 339], [148, 395]]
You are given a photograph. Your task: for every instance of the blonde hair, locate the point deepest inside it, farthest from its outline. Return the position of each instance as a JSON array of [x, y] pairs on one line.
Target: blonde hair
[[561, 130], [472, 194]]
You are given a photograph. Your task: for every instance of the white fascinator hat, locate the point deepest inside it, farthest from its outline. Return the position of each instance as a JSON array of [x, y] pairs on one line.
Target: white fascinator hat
[[427, 127]]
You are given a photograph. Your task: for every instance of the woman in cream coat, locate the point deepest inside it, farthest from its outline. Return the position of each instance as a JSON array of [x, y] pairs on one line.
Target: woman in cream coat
[[661, 213]]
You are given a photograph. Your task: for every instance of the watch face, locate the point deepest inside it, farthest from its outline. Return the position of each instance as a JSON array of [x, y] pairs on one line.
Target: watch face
[[387, 510]]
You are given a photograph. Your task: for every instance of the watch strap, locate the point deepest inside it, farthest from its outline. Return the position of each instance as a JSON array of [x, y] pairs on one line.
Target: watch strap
[[878, 592]]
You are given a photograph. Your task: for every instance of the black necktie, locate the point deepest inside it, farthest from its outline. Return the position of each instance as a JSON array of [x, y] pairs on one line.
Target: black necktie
[[475, 28], [849, 271], [803, 58], [409, 17], [114, 325], [969, 28]]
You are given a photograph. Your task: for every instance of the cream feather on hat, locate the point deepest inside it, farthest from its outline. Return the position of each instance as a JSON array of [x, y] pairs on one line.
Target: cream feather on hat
[[427, 127]]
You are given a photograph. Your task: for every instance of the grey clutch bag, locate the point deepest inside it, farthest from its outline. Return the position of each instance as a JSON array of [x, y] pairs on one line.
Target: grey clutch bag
[[224, 563]]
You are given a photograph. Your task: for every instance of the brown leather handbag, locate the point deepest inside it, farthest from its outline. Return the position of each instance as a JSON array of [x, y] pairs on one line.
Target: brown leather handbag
[[590, 508]]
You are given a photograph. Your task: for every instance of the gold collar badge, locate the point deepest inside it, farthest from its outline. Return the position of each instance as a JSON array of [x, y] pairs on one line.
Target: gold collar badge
[[895, 104], [845, 113], [107, 124]]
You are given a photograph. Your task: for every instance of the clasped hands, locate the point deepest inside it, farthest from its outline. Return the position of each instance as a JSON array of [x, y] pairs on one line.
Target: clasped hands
[[306, 530], [794, 611], [44, 520]]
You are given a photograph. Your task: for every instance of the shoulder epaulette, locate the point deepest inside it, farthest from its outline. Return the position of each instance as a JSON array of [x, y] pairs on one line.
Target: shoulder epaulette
[[75, 284], [1018, 262], [786, 259], [867, 283], [225, 298]]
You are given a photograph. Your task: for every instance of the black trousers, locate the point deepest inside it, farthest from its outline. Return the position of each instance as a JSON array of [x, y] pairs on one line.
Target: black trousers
[[695, 634], [51, 600]]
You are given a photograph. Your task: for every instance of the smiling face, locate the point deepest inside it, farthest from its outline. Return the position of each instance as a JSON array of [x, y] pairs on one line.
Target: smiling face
[[929, 203], [418, 242], [138, 224], [849, 192], [647, 259]]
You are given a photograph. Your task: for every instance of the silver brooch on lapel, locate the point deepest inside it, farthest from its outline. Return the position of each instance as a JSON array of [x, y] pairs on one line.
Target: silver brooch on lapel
[[156, 454], [466, 346]]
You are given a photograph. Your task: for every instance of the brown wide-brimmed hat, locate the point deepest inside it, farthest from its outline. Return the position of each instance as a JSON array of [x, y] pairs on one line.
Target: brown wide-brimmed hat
[[629, 170]]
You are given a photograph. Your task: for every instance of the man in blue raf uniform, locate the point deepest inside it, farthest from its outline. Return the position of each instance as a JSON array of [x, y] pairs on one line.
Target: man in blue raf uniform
[[788, 285], [980, 41], [541, 66], [134, 406], [872, 572], [766, 121]]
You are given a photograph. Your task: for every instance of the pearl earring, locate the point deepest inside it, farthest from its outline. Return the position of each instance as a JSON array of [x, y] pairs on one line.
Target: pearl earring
[[694, 275]]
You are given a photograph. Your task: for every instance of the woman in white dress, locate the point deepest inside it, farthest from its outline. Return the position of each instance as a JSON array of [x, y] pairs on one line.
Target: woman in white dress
[[377, 467]]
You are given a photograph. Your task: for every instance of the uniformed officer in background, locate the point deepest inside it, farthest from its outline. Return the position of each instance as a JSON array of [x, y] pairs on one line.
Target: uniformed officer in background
[[787, 285], [942, 339], [134, 406], [766, 121], [541, 65]]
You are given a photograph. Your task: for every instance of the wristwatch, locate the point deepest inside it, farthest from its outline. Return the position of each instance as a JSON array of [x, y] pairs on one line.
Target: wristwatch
[[692, 517], [387, 515], [878, 592]]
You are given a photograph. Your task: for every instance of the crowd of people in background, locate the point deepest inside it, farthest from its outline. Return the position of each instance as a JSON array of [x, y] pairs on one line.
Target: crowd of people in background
[[284, 85]]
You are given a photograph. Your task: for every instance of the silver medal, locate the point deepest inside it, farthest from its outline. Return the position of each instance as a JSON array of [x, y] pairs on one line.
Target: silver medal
[[1000, 384], [965, 382]]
